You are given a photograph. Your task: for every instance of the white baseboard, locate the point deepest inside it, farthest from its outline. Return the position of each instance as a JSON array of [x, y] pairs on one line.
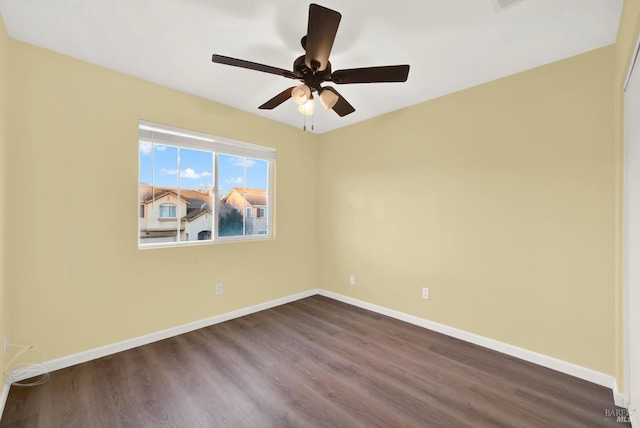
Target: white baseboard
[[524, 354], [618, 397], [103, 351], [3, 397]]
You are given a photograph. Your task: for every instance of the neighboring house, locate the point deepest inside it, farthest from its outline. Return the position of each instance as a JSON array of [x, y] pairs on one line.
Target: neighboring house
[[161, 209], [252, 203]]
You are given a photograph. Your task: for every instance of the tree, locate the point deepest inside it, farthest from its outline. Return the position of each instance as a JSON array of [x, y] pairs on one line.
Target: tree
[[230, 224]]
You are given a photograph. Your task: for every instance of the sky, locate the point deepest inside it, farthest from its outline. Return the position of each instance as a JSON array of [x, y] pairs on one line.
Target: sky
[[197, 169]]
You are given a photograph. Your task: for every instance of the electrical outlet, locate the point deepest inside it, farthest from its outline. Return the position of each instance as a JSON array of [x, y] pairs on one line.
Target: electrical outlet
[[425, 293], [218, 288], [352, 279], [6, 344]]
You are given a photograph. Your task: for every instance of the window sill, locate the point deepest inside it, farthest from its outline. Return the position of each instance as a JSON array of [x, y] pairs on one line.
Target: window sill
[[220, 240]]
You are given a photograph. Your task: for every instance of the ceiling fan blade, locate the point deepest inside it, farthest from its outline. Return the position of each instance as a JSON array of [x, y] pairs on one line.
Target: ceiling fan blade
[[389, 73], [277, 100], [220, 59], [321, 32], [342, 106]]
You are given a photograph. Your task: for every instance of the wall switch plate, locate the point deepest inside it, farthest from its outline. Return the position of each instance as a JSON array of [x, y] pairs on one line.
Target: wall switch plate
[[218, 288], [352, 279], [6, 344], [425, 293]]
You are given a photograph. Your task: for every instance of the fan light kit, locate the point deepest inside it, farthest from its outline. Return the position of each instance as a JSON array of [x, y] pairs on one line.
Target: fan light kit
[[301, 94], [307, 107], [313, 68]]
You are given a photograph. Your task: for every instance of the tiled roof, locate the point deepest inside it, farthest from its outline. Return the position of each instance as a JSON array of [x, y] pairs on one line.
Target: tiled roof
[[253, 196], [248, 190], [148, 193], [194, 198], [199, 202], [195, 213]]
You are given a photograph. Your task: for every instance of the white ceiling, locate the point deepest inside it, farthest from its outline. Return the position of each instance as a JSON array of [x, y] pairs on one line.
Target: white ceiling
[[450, 44]]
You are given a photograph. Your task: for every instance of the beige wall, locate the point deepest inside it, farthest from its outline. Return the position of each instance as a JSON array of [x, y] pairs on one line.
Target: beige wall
[[628, 33], [498, 198], [77, 279], [4, 111], [504, 199]]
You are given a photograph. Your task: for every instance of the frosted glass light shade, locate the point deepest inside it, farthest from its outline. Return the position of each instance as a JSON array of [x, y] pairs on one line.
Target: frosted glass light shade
[[307, 108], [328, 99], [300, 94]]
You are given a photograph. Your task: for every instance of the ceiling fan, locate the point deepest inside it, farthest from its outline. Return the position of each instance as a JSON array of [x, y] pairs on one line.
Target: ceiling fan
[[314, 68]]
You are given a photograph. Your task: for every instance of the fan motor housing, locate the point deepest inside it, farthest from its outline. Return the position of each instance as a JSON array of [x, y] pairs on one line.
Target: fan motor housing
[[306, 74]]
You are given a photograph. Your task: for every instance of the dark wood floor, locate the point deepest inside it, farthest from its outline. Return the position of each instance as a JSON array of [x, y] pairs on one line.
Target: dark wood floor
[[312, 363]]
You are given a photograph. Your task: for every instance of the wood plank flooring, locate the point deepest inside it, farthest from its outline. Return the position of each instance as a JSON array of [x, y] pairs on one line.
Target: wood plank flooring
[[315, 362]]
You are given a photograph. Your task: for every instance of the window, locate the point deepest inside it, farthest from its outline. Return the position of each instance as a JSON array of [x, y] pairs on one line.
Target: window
[[195, 187], [167, 211]]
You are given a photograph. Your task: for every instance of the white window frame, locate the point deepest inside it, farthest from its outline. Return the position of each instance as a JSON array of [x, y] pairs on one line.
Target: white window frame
[[155, 133]]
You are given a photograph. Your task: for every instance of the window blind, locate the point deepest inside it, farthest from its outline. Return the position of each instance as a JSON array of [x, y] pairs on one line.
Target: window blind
[[151, 132]]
